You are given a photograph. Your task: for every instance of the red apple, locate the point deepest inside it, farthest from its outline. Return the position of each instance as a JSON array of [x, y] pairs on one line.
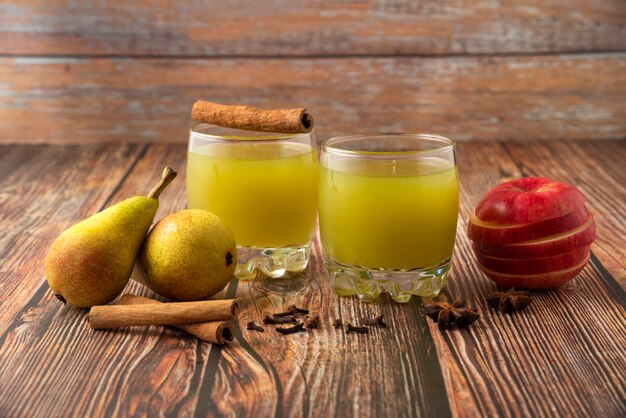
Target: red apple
[[524, 266], [491, 233], [535, 281], [583, 236], [531, 233], [528, 200]]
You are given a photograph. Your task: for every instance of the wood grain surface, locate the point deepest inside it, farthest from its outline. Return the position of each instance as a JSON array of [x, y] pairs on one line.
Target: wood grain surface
[[563, 356], [36, 180], [600, 176], [127, 71], [498, 98], [538, 360], [261, 28]]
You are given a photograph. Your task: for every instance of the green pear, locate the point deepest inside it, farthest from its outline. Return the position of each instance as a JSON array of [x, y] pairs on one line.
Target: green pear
[[90, 263], [189, 255]]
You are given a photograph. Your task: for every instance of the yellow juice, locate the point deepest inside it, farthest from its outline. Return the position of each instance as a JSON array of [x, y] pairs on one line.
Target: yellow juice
[[266, 192], [389, 214]]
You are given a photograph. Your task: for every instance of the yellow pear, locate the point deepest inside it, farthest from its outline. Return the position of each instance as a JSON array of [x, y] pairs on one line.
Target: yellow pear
[[189, 255], [90, 263]]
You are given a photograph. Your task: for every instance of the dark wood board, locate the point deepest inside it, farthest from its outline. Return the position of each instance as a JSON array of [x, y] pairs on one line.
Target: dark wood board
[[563, 356], [289, 28], [76, 100]]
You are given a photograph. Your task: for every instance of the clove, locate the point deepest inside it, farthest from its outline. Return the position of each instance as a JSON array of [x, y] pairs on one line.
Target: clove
[[378, 321], [274, 320], [291, 330], [312, 321], [359, 330], [254, 327], [292, 310]]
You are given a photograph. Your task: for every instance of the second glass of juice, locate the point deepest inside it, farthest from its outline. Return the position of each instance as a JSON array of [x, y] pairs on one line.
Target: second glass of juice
[[388, 209], [264, 187]]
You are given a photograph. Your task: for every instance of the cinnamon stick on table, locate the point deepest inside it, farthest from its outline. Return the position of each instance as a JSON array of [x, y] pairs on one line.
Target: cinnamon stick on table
[[215, 332], [289, 121], [115, 316]]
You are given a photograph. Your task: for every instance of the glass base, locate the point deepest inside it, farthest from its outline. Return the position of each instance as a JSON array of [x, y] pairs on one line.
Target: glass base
[[273, 262], [368, 284]]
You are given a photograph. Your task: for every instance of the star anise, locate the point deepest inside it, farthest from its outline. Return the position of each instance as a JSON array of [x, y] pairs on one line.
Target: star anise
[[445, 314], [509, 301]]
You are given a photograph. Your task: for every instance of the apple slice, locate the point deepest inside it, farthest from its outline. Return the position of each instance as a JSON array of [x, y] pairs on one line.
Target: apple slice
[[535, 265], [565, 242], [491, 233], [528, 200], [535, 281]]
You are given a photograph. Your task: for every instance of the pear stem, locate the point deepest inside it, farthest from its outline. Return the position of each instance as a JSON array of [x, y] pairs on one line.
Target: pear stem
[[168, 176]]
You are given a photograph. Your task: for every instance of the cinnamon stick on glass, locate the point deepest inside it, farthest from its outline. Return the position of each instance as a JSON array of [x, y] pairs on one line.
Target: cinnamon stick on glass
[[115, 316], [215, 332], [289, 121]]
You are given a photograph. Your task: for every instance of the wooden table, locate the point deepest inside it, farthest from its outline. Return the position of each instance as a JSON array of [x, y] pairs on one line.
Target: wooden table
[[564, 356]]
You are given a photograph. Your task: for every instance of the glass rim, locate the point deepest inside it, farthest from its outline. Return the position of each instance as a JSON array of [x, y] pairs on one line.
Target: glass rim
[[239, 135], [331, 146]]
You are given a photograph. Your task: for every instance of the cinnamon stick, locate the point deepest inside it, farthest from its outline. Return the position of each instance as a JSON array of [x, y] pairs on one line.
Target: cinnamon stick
[[215, 332], [115, 316], [290, 121]]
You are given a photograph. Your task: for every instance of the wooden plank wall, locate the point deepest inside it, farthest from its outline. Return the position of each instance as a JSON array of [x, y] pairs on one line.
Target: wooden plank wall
[[128, 70]]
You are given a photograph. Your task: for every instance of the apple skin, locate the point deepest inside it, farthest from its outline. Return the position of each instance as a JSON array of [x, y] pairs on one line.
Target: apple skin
[[582, 236], [528, 200], [535, 281], [532, 233], [522, 266], [490, 233]]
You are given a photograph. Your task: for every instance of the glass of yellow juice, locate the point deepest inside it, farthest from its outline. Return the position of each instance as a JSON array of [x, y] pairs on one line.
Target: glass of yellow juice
[[388, 208], [264, 187]]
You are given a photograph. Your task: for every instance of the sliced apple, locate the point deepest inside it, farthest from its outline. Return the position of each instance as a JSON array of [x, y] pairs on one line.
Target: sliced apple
[[535, 265], [535, 281], [491, 233], [528, 200], [565, 242]]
